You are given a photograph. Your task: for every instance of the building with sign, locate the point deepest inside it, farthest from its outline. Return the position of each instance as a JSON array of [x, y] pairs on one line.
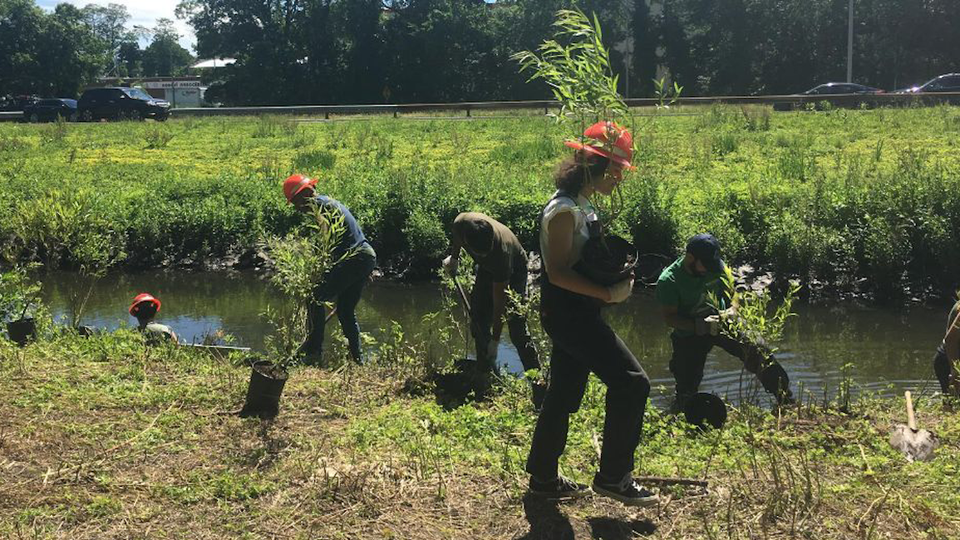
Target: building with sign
[[179, 91]]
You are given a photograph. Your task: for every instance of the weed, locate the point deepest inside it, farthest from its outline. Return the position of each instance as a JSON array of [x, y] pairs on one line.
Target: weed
[[158, 136], [315, 161], [757, 117]]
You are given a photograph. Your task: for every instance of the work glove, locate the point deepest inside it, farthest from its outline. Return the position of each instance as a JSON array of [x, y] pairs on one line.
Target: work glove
[[450, 265], [728, 314], [620, 291], [707, 326]]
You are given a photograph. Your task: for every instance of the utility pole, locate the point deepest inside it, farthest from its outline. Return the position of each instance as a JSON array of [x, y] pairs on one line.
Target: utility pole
[[850, 45]]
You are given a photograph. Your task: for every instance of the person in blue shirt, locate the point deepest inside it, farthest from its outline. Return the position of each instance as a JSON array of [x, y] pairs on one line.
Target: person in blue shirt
[[344, 282]]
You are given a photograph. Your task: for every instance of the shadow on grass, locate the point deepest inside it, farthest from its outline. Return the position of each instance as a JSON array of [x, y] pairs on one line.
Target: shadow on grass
[[607, 528], [548, 522]]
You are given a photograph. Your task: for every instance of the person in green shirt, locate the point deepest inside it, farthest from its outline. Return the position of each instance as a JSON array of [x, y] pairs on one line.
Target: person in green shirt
[[684, 294], [145, 308], [501, 264]]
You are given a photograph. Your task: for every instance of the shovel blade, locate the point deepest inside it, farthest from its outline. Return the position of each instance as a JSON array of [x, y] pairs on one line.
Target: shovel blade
[[915, 445]]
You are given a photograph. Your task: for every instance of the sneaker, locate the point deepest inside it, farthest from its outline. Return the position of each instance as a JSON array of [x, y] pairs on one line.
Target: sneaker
[[627, 491], [558, 488]]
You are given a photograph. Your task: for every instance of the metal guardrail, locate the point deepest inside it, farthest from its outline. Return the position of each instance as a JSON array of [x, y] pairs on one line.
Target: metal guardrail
[[779, 102]]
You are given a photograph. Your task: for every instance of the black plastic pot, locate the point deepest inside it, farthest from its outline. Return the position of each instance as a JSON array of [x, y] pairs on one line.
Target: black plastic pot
[[264, 390], [703, 409], [607, 261], [22, 331]]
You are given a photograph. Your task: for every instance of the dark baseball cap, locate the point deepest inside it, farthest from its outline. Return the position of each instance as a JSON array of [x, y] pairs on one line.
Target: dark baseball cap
[[706, 248]]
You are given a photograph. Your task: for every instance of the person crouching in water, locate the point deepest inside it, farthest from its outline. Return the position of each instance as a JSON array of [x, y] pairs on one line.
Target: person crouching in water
[[582, 340], [948, 354], [344, 282], [145, 307], [501, 263], [683, 292]]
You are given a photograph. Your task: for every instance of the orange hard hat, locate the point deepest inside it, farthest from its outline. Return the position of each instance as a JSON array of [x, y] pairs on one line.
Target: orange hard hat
[[295, 184], [141, 298], [609, 140]]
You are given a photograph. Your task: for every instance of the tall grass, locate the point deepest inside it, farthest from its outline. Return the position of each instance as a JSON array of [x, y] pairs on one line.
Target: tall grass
[[834, 196]]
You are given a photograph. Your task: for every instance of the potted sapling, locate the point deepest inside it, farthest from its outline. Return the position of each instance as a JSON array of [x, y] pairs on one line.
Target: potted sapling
[[301, 262], [576, 66], [19, 302]]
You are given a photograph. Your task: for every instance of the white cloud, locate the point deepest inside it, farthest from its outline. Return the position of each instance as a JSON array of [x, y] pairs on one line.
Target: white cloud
[[142, 13]]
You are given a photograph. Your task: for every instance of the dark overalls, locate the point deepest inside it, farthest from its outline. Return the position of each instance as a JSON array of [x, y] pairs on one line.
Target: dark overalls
[[583, 342], [344, 282]]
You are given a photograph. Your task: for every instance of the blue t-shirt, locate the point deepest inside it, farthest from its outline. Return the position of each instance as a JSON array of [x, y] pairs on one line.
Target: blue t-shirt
[[353, 236]]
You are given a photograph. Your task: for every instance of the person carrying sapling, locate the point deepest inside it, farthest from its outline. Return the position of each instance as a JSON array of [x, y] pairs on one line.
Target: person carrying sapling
[[344, 282], [582, 341], [501, 265], [684, 292]]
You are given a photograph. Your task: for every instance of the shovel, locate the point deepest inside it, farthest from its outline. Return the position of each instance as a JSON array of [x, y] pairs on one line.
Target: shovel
[[916, 444]]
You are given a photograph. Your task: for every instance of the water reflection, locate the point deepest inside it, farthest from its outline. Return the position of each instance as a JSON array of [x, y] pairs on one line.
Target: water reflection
[[888, 347]]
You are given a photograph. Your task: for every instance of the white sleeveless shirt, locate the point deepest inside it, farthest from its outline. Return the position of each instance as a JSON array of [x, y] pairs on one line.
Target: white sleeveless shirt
[[583, 213]]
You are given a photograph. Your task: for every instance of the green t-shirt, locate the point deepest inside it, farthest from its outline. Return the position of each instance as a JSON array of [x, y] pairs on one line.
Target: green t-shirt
[[690, 294], [506, 258], [159, 333]]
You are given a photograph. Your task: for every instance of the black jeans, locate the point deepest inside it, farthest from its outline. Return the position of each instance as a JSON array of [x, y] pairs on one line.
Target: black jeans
[[481, 320], [344, 282], [690, 355], [943, 369], [583, 342]]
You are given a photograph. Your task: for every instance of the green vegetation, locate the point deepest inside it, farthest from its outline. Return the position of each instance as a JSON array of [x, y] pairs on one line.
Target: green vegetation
[[104, 438], [828, 197]]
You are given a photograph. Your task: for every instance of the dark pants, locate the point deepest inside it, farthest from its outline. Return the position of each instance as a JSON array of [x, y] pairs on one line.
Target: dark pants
[[481, 320], [690, 355], [583, 342], [344, 283], [943, 369]]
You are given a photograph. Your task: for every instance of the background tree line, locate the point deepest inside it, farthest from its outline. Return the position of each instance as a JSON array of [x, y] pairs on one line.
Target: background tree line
[[370, 51], [402, 51], [58, 53]]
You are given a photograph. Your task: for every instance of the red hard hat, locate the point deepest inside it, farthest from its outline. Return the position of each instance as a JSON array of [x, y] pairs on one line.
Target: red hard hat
[[609, 140], [141, 298], [295, 184]]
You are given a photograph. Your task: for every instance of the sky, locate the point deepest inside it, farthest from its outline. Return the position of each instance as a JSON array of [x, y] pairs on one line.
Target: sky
[[142, 13]]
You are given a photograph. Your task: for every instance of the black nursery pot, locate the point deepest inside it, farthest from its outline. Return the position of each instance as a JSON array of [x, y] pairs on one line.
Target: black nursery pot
[[22, 331], [704, 409], [607, 261], [264, 390]]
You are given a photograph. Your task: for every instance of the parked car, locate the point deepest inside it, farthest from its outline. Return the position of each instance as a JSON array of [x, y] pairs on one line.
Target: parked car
[[16, 103], [119, 103], [949, 82], [47, 110], [841, 88]]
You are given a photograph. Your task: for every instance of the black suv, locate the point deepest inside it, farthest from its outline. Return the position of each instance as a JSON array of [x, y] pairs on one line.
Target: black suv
[[121, 103], [50, 109]]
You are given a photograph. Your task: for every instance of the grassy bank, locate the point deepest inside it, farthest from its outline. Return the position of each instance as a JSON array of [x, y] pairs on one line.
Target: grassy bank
[[102, 438], [830, 197]]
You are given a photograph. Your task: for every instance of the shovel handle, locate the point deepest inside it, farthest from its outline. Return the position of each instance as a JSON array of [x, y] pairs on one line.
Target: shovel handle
[[911, 419], [463, 296]]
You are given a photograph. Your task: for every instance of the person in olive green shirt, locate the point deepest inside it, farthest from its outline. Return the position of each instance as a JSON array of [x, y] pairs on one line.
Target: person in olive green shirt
[[683, 292], [501, 263], [948, 355], [145, 308]]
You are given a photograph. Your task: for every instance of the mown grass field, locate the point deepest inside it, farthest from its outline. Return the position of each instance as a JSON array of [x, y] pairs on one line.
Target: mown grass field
[[831, 197], [102, 438]]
